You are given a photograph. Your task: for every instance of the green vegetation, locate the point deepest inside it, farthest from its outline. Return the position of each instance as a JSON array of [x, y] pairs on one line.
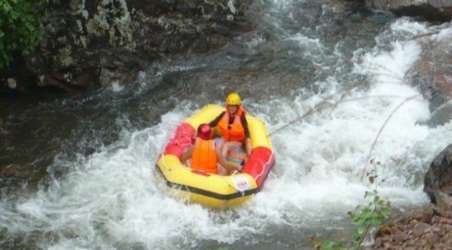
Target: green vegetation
[[20, 29], [365, 218]]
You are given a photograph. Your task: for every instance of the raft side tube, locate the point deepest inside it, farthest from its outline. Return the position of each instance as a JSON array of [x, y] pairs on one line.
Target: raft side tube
[[205, 115], [258, 132], [262, 158], [182, 139], [259, 164], [212, 185]]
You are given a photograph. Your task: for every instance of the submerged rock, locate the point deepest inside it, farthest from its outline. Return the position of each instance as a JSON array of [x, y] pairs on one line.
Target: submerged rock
[[437, 10], [441, 115]]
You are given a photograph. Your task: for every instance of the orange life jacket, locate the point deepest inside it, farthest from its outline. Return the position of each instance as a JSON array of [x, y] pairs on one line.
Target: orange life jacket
[[234, 131], [204, 156]]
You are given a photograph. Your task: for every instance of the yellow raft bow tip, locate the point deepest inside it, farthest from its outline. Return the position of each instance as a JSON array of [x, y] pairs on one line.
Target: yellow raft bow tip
[[211, 189]]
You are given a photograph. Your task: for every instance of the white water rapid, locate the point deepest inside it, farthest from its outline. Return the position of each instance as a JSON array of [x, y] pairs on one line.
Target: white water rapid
[[114, 199]]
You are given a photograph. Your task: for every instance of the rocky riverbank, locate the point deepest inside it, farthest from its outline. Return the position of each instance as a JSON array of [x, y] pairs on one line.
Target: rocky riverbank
[[428, 228], [88, 44], [424, 229]]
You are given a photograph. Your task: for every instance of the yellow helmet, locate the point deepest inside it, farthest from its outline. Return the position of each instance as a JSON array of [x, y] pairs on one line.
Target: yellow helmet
[[233, 99]]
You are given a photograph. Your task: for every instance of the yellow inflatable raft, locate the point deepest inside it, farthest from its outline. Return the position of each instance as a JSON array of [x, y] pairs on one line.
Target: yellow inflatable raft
[[211, 189]]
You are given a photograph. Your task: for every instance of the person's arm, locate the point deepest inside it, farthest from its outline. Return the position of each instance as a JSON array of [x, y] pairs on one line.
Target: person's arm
[[186, 155], [215, 121], [231, 166], [245, 126], [247, 142], [248, 146], [227, 165]]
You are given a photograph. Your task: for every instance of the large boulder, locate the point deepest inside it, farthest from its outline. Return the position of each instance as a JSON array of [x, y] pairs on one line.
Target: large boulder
[[440, 10], [93, 43], [438, 180], [432, 74]]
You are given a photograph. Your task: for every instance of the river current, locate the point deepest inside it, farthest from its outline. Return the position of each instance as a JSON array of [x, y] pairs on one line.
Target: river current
[[92, 157]]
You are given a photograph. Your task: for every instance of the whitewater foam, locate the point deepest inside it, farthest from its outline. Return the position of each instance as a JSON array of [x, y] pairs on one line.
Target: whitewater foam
[[115, 199]]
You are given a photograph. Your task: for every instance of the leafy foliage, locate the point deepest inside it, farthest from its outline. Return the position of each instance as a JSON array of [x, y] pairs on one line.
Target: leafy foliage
[[375, 213], [19, 27], [365, 218]]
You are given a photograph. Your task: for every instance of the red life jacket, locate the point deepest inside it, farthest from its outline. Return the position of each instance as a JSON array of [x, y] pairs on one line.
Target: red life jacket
[[204, 156], [232, 131]]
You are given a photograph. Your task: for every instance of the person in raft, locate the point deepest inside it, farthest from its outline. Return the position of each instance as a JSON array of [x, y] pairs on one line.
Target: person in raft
[[232, 126], [205, 154]]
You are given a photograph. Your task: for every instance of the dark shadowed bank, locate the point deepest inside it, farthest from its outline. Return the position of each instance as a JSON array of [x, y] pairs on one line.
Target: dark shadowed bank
[[87, 44]]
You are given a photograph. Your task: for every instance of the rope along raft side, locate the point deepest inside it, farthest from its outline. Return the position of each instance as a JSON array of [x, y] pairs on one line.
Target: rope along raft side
[[211, 189]]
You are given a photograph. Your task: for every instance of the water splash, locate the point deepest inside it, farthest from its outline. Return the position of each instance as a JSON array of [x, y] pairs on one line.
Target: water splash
[[114, 199]]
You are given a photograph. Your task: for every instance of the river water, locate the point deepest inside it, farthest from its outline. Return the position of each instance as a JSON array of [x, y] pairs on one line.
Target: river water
[[91, 158]]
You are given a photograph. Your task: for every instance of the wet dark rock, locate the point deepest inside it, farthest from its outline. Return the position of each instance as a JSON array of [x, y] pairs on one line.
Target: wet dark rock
[[439, 176], [436, 10], [443, 201], [441, 115], [308, 12], [119, 68], [89, 44], [13, 170], [432, 75]]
